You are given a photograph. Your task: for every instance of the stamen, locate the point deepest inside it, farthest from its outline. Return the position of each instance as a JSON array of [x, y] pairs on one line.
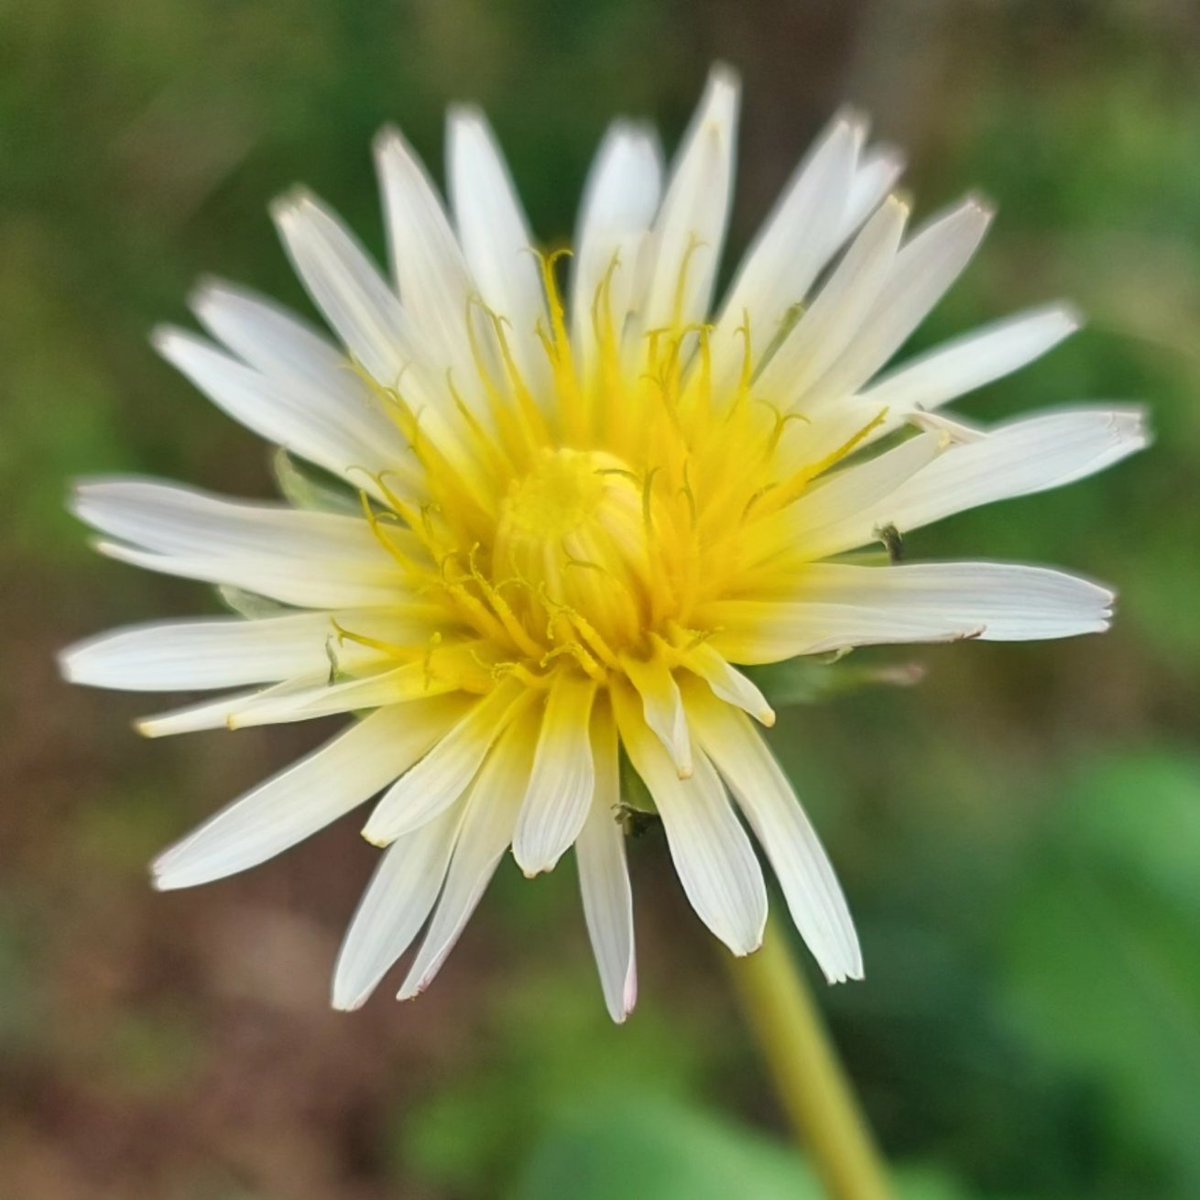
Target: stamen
[[694, 244], [501, 607], [557, 345], [435, 640], [747, 355], [602, 302], [590, 666], [535, 425], [504, 414], [791, 318], [781, 421], [596, 644], [345, 635], [520, 672], [792, 489], [647, 491], [689, 495], [376, 522], [501, 463]]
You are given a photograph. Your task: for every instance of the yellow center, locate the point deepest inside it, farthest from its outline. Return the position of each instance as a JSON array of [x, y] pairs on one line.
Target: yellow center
[[590, 526], [558, 496]]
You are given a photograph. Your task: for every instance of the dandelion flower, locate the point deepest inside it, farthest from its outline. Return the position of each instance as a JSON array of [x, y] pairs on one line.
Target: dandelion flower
[[562, 506]]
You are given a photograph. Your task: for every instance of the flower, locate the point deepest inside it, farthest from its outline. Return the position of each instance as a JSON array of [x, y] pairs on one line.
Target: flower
[[577, 519]]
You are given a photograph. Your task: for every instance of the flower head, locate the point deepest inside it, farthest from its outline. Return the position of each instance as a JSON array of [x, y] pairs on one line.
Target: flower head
[[562, 520]]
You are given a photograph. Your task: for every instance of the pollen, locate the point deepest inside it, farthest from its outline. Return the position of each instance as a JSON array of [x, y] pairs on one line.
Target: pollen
[[554, 499]]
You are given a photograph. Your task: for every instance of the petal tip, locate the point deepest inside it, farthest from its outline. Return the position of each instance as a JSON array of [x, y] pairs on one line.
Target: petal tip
[[209, 292], [1136, 425], [390, 146], [410, 991], [533, 860], [465, 115], [68, 662], [164, 337], [725, 77], [377, 839], [892, 161], [745, 949], [346, 1000], [979, 206], [852, 118], [162, 877], [1071, 316], [291, 205]]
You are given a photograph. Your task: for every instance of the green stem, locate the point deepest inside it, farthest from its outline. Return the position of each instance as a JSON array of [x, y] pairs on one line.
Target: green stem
[[806, 1071]]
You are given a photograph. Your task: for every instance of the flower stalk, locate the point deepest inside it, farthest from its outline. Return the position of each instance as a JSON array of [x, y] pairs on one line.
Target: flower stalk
[[804, 1066]]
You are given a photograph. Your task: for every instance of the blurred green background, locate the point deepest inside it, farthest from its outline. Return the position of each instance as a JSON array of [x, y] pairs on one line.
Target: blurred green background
[[1019, 837]]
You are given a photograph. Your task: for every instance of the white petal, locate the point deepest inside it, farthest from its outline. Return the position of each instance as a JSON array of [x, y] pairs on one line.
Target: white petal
[[487, 830], [662, 707], [339, 432], [950, 431], [814, 526], [427, 262], [397, 902], [764, 794], [620, 199], [839, 309], [604, 876], [280, 702], [178, 656], [312, 375], [191, 718], [496, 241], [877, 173], [274, 341], [446, 772], [922, 272], [304, 558], [317, 376], [1018, 458], [690, 230], [304, 797], [305, 700], [563, 778], [296, 583], [764, 631], [346, 286], [795, 243], [728, 683], [923, 602], [825, 441], [172, 519], [1011, 601], [960, 366], [712, 855]]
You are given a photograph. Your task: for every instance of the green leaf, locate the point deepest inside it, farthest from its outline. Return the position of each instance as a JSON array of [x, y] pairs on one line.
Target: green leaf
[[552, 1051], [1104, 954], [658, 1149], [655, 1148]]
